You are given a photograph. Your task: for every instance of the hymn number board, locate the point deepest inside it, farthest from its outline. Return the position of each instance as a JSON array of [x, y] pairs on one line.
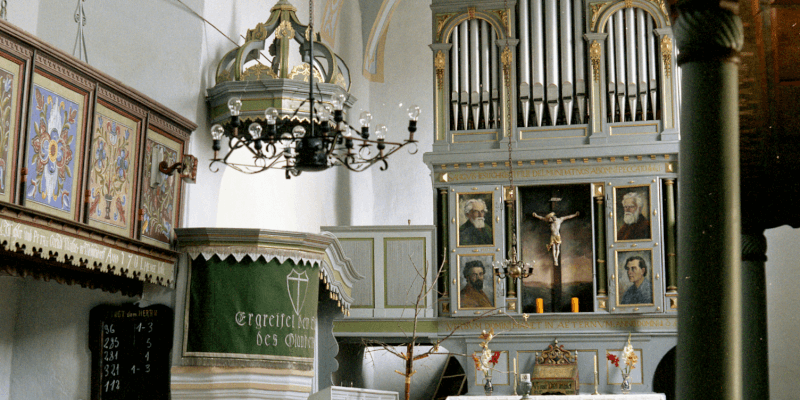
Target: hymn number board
[[130, 351]]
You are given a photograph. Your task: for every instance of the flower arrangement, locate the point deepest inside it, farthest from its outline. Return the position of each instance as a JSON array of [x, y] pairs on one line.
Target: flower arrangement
[[628, 359], [488, 359]]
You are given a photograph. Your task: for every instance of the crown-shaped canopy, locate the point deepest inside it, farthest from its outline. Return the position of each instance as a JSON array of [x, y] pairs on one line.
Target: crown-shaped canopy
[[278, 49]]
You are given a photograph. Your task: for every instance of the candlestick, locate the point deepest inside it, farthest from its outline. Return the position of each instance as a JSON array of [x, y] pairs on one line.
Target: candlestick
[[596, 376]]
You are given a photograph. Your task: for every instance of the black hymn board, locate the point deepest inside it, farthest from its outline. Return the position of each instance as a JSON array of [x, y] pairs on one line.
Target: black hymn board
[[130, 352]]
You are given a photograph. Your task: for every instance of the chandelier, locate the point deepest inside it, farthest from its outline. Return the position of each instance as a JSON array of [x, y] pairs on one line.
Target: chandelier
[[512, 267], [271, 120]]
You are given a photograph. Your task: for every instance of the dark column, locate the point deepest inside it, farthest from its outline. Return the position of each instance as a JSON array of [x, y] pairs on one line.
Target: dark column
[[669, 232], [710, 354], [754, 316], [600, 234], [444, 240]]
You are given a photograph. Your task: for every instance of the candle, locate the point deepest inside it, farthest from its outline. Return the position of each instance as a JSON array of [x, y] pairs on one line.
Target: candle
[[539, 305], [595, 364], [575, 307], [515, 366]]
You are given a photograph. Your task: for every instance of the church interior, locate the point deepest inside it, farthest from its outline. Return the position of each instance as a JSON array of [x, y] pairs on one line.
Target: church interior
[[399, 199]]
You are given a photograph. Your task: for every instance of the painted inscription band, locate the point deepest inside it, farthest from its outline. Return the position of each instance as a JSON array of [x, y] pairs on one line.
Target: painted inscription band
[[481, 176]]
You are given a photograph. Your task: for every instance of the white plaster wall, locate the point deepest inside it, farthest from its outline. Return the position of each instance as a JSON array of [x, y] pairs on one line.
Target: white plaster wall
[[403, 193], [23, 14], [783, 273], [8, 316], [51, 354]]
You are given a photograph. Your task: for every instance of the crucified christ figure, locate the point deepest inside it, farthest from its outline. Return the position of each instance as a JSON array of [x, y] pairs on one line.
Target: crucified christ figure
[[555, 232]]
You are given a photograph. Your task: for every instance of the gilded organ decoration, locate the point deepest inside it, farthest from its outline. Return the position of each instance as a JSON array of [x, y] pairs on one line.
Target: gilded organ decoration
[[439, 62], [594, 54], [666, 54], [596, 7]]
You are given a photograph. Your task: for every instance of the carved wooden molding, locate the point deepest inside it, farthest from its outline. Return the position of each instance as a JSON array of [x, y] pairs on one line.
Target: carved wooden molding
[[168, 127], [105, 94], [59, 69], [15, 48]]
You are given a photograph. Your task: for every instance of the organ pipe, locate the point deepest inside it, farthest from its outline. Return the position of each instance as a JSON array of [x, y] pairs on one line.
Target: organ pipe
[[630, 56], [485, 72], [619, 38], [567, 79], [524, 61], [454, 76], [580, 60], [464, 64], [551, 38], [537, 61], [612, 76], [641, 50], [651, 55], [495, 86], [474, 68]]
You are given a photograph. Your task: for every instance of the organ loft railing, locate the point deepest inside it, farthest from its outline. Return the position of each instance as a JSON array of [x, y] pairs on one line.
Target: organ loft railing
[[554, 72]]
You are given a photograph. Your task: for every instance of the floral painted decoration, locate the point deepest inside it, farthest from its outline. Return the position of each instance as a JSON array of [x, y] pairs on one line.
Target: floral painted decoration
[[52, 150]]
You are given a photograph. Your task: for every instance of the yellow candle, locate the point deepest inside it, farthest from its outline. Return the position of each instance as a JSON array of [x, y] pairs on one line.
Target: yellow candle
[[575, 304], [539, 305]]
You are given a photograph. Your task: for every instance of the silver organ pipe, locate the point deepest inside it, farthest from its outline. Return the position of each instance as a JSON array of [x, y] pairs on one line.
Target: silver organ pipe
[[454, 77], [524, 61], [494, 71], [474, 69], [651, 56], [580, 60], [537, 59], [551, 39], [485, 72], [567, 79], [632, 61], [474, 76], [630, 50], [464, 73], [612, 75], [619, 38], [641, 53]]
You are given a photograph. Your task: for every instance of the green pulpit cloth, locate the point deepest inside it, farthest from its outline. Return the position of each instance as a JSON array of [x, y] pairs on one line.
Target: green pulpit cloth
[[252, 309]]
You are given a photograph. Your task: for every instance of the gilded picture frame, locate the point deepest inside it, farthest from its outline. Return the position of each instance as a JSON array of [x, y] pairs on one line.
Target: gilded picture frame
[[475, 219], [476, 288], [635, 281], [632, 213]]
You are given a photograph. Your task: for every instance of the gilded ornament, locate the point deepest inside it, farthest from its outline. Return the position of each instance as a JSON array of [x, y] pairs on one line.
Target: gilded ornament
[[285, 30], [596, 7], [441, 19], [628, 3], [223, 76], [259, 33], [439, 62], [666, 54], [340, 81], [662, 6], [503, 16], [594, 54], [300, 73], [506, 57], [471, 12], [258, 72]]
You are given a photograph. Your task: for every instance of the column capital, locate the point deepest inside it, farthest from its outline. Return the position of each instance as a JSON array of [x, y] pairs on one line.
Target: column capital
[[707, 31]]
